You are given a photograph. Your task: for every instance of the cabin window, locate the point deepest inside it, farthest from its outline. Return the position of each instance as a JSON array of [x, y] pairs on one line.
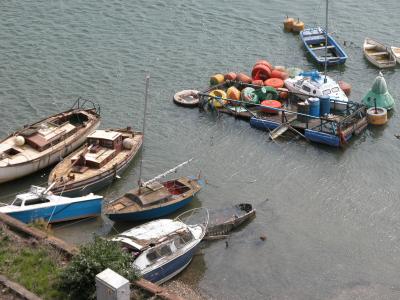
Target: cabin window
[[326, 92], [314, 91], [165, 250], [306, 88], [36, 201], [17, 202], [179, 243], [152, 256], [335, 90], [187, 237]]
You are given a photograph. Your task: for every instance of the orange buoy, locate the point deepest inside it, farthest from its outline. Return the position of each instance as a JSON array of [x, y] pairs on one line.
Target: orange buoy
[[216, 79], [257, 82], [283, 95], [230, 76], [265, 63], [274, 82], [279, 74], [219, 94], [288, 23], [346, 87], [297, 26], [243, 78], [234, 94], [270, 103], [260, 72]]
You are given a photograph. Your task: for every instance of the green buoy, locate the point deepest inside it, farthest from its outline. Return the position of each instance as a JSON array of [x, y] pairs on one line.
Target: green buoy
[[379, 93]]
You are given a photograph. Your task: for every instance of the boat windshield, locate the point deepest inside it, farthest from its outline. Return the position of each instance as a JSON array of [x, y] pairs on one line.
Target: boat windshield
[[159, 252]]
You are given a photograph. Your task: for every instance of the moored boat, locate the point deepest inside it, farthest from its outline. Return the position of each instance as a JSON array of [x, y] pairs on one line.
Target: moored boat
[[154, 200], [39, 204], [224, 220], [396, 53], [322, 46], [378, 54], [162, 248], [45, 142], [103, 158]]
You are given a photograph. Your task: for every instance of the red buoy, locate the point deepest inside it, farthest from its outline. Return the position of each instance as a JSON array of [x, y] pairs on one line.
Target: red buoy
[[265, 63], [270, 103], [243, 78], [260, 72], [279, 74], [274, 82], [230, 76], [346, 87]]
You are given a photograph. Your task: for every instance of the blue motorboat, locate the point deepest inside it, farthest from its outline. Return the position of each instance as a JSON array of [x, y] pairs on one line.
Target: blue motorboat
[[39, 204], [162, 248], [322, 46], [154, 199]]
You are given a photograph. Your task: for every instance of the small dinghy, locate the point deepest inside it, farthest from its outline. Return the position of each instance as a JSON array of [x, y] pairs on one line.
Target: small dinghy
[[162, 248], [187, 98], [45, 142], [396, 53], [224, 220], [40, 204], [378, 54], [95, 165]]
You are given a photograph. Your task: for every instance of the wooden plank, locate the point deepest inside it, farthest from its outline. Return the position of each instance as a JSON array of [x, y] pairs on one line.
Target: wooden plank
[[278, 131], [18, 289], [157, 290]]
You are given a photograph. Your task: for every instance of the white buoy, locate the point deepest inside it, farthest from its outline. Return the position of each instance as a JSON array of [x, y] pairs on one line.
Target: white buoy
[[19, 140], [128, 144]]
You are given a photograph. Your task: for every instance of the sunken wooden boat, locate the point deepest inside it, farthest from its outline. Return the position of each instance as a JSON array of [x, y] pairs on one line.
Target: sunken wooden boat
[[153, 200], [378, 54], [103, 158], [45, 142], [224, 220]]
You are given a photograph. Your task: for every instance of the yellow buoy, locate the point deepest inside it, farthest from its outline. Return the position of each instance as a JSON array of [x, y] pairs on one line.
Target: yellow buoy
[[377, 116], [297, 26], [217, 79], [288, 24], [218, 103]]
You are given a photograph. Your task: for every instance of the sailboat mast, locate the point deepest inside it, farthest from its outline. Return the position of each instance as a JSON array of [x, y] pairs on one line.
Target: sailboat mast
[[326, 41], [144, 125]]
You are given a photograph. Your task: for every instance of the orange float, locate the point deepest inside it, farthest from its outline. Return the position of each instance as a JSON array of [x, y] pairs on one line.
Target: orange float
[[283, 95], [279, 74], [260, 72], [230, 76], [346, 87], [258, 82], [274, 82], [234, 94], [270, 103], [243, 78]]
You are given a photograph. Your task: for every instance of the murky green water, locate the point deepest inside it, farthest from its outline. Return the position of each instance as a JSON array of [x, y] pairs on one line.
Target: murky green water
[[332, 216]]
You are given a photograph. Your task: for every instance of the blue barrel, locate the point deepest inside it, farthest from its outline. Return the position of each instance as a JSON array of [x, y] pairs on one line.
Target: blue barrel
[[324, 105], [314, 106]]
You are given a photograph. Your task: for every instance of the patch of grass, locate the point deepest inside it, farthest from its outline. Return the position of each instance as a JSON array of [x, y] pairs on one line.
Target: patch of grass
[[36, 268]]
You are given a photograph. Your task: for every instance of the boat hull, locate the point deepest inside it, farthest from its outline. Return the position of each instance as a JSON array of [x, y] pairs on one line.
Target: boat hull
[[149, 213], [60, 213], [171, 268], [13, 172]]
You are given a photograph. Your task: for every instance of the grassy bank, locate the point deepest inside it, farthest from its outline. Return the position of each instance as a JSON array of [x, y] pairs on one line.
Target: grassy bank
[[34, 266]]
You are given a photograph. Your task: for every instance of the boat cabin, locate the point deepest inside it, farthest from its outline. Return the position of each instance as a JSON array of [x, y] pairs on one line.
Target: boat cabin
[[102, 146], [34, 196]]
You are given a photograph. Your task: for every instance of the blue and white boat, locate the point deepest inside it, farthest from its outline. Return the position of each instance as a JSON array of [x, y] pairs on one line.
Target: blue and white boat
[[38, 203], [162, 248], [322, 46]]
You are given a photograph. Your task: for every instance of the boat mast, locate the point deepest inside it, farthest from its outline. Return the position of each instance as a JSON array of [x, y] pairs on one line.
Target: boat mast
[[144, 127], [326, 40]]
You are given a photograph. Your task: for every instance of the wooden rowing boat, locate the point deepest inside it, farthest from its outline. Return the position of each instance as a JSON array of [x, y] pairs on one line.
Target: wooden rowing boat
[[45, 142], [378, 54], [224, 220], [105, 156], [396, 53]]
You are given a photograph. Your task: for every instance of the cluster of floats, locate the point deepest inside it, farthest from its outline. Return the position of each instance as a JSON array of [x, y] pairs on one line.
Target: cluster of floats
[[90, 159]]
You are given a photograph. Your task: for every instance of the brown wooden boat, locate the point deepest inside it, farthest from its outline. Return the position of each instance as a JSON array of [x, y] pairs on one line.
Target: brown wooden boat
[[103, 158]]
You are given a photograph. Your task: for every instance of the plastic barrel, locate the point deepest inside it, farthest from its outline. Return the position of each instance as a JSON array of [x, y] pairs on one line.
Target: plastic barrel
[[302, 108], [324, 105], [314, 106]]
